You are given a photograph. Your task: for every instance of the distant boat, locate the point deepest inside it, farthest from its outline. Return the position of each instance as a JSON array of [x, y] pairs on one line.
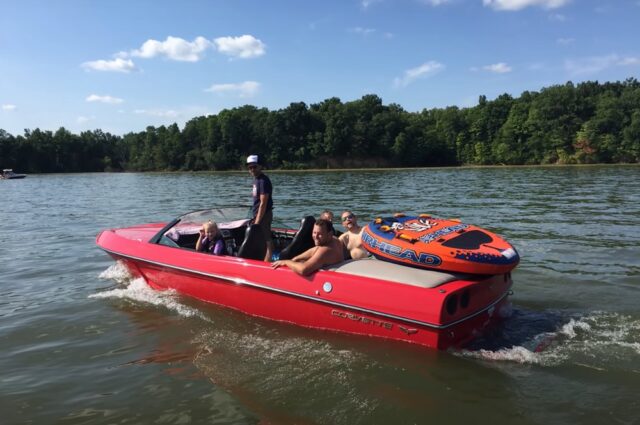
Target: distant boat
[[8, 173]]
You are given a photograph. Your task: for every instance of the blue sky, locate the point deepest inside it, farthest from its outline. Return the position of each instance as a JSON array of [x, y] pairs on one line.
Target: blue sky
[[123, 65]]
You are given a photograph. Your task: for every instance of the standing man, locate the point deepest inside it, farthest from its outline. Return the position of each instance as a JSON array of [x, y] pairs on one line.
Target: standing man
[[262, 200]]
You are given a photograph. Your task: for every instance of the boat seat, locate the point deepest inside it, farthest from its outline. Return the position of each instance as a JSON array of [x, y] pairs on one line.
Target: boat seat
[[302, 241], [378, 269], [254, 246]]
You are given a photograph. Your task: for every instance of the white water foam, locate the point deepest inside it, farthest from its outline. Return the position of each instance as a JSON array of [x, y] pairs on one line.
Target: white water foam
[[514, 354], [615, 332], [574, 327], [137, 289], [117, 272], [592, 341]]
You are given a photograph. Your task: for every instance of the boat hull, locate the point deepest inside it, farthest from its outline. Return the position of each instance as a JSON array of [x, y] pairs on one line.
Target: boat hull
[[326, 300], [8, 174]]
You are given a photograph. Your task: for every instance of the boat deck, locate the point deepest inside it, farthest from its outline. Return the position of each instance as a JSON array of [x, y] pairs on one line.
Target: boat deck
[[371, 267]]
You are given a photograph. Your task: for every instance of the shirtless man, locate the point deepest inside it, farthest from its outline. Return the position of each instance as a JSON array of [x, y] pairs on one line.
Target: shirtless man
[[328, 250], [352, 238]]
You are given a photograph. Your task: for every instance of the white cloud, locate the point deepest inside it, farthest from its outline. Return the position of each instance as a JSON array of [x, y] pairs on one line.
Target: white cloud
[[362, 31], [245, 46], [537, 66], [244, 89], [174, 48], [103, 99], [565, 41], [163, 113], [366, 3], [629, 61], [595, 64], [425, 70], [179, 49], [498, 68], [557, 17], [115, 65], [435, 3], [513, 5], [82, 119], [9, 107]]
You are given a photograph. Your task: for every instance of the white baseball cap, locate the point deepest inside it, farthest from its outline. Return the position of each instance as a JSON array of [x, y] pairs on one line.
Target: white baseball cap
[[252, 159]]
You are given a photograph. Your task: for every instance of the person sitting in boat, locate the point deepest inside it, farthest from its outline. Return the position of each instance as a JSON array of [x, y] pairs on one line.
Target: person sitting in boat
[[327, 251], [352, 238], [328, 215], [210, 240]]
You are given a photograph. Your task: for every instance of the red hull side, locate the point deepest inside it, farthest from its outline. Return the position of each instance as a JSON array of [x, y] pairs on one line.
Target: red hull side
[[353, 304]]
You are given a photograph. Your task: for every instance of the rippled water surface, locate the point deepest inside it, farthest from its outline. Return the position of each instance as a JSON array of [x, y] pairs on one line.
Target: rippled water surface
[[84, 343]]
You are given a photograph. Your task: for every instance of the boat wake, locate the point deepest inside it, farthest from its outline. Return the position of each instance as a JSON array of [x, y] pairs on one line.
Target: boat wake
[[137, 290], [594, 340], [547, 338], [254, 366]]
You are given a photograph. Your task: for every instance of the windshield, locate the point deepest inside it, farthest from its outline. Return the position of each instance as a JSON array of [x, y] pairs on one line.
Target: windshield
[[183, 229], [219, 215]]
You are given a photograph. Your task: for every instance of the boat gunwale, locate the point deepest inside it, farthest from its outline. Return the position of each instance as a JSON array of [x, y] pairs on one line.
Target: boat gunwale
[[241, 281]]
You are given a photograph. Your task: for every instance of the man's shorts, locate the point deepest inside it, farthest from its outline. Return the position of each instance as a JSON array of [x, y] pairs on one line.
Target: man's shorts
[[265, 224]]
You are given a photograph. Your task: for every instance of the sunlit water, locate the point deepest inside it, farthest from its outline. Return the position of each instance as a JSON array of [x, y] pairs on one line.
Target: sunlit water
[[82, 342]]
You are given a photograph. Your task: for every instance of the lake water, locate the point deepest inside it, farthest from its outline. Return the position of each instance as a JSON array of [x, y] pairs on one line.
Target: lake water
[[83, 343]]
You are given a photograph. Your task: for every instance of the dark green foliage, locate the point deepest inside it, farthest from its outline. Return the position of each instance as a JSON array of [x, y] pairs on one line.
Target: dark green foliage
[[564, 124]]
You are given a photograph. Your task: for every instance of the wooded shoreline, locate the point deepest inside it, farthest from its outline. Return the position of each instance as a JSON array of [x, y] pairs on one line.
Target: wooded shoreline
[[587, 123]]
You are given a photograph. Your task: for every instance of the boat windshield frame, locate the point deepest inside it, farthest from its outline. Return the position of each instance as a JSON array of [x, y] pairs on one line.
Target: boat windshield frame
[[219, 215]]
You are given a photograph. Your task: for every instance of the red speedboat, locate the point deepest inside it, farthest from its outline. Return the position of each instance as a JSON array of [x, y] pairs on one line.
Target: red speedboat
[[368, 296]]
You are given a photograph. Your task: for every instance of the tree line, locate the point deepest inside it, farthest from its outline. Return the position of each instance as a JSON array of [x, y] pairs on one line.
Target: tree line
[[589, 122]]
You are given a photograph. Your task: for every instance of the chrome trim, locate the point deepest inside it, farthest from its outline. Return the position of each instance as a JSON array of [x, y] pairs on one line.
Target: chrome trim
[[239, 281]]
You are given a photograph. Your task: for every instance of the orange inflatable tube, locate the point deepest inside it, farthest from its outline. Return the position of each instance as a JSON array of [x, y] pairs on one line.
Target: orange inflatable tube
[[434, 243]]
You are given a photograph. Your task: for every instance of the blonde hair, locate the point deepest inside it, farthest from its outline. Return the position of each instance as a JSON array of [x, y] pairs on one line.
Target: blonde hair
[[210, 225]]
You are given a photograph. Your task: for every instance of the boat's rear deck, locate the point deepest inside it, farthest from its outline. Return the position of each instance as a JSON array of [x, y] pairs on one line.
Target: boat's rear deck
[[371, 267]]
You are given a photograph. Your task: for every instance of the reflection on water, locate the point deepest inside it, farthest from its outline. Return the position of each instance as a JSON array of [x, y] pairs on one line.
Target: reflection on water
[[83, 342]]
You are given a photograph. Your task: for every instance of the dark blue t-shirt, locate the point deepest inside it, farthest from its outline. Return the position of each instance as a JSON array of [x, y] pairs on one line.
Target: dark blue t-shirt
[[262, 186]]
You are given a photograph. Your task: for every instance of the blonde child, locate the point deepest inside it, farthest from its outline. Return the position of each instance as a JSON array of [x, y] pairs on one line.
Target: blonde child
[[210, 239]]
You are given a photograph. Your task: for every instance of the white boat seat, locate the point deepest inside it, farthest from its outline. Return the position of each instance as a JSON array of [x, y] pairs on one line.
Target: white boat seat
[[372, 267]]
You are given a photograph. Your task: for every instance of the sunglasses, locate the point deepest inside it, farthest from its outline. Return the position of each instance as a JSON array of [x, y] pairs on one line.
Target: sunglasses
[[348, 217], [252, 167]]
